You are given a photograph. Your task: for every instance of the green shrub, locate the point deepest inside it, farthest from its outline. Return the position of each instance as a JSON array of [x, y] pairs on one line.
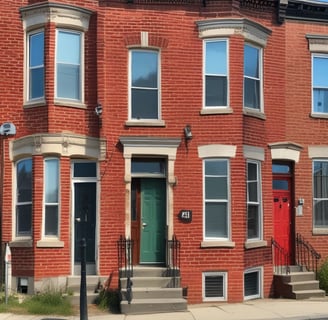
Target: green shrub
[[108, 299], [323, 276]]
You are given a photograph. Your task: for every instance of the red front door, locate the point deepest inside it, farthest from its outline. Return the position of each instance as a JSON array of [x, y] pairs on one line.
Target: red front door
[[282, 206]]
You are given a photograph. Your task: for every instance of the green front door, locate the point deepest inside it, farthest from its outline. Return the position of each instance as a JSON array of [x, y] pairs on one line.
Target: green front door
[[153, 221]]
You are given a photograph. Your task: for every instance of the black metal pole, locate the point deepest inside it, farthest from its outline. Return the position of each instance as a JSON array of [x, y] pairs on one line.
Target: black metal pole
[[83, 287]]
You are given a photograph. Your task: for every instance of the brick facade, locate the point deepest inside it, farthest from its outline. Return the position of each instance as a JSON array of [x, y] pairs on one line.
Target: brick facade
[[114, 28]]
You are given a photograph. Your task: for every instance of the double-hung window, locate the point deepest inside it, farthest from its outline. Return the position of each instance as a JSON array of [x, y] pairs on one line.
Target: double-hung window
[[35, 44], [51, 197], [216, 199], [68, 65], [144, 85], [252, 77], [216, 73], [320, 193], [253, 201], [24, 198], [320, 83]]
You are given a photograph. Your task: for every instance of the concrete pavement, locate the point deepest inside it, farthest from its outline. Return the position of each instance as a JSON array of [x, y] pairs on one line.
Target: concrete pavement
[[262, 309]]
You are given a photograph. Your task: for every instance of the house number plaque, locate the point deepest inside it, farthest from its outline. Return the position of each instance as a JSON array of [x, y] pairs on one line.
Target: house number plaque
[[185, 216]]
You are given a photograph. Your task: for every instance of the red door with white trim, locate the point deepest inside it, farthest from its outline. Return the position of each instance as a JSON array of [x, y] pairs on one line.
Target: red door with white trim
[[282, 210]]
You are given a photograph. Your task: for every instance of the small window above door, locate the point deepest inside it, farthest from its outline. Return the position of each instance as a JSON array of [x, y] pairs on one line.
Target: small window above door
[[148, 167]]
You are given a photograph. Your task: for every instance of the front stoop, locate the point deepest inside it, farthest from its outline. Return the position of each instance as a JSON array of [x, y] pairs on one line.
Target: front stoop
[[297, 285], [152, 292]]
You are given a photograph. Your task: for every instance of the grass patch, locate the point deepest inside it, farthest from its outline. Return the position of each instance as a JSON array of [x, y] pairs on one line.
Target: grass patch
[[41, 304]]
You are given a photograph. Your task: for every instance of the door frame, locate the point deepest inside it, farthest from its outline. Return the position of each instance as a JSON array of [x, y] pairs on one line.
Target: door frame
[[75, 268], [286, 176]]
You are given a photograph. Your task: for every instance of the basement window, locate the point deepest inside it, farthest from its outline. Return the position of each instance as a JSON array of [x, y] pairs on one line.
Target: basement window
[[252, 284], [214, 286]]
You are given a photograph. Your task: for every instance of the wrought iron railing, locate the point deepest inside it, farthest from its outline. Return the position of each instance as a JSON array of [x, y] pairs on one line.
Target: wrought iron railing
[[125, 257], [306, 255], [173, 260], [281, 258]]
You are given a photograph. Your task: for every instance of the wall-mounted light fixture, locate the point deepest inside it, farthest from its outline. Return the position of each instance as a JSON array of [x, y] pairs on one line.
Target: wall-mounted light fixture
[[187, 132], [98, 109]]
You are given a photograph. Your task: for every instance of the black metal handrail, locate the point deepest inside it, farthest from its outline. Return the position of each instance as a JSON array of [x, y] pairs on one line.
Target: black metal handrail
[[125, 257], [281, 258], [173, 259], [306, 255]]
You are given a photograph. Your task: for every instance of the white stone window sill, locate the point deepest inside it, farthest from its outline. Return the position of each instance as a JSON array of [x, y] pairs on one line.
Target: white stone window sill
[[217, 244], [21, 243], [251, 244], [216, 110], [145, 123], [50, 243], [69, 103], [320, 231], [34, 103], [254, 113]]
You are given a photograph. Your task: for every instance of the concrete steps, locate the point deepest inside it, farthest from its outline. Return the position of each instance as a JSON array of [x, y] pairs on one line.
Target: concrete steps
[[152, 292], [298, 284], [93, 282]]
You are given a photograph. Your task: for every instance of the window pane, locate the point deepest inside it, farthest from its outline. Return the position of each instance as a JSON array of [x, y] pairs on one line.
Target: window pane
[[148, 166], [251, 62], [216, 188], [216, 73], [24, 181], [253, 222], [36, 83], [320, 71], [320, 100], [253, 191], [251, 93], [68, 47], [251, 171], [51, 220], [51, 180], [144, 104], [24, 219], [216, 58], [68, 81], [216, 224], [216, 167], [216, 91], [321, 213], [280, 184], [280, 168], [144, 69], [68, 61], [85, 169], [36, 65]]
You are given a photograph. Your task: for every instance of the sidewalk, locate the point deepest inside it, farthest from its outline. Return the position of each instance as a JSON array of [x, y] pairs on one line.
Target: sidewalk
[[265, 309]]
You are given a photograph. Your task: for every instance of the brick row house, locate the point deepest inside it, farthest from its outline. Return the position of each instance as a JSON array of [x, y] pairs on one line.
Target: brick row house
[[199, 121]]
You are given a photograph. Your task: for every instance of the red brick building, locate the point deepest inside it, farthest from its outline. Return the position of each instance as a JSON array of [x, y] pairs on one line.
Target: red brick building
[[204, 120]]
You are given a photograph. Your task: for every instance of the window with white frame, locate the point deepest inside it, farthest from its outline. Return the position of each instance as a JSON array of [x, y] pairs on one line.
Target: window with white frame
[[214, 286], [320, 193], [35, 58], [319, 83], [24, 198], [144, 85], [216, 199], [254, 219], [252, 77], [51, 197], [216, 73], [252, 283], [68, 65]]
